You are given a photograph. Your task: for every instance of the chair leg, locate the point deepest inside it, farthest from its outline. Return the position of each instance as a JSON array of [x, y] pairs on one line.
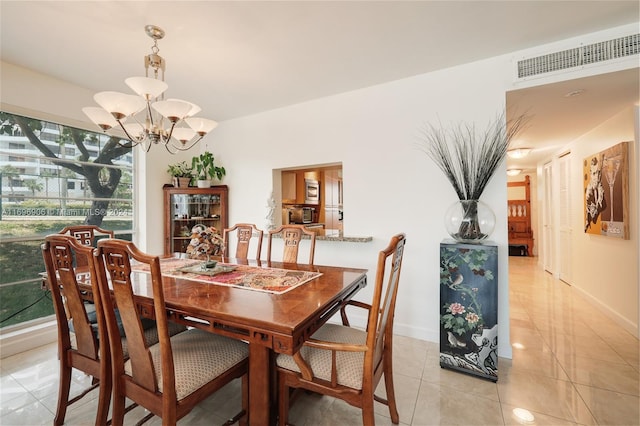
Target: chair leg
[[283, 401], [391, 397], [367, 412], [63, 392], [104, 399], [245, 400], [117, 418]]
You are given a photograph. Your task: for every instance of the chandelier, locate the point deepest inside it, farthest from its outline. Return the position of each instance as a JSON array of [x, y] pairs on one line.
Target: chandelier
[[147, 118]]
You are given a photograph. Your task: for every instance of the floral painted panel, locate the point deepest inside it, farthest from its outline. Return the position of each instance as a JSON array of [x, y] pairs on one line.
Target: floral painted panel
[[469, 308]]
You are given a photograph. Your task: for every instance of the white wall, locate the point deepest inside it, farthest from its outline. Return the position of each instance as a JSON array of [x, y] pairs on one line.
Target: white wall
[[605, 268], [390, 185]]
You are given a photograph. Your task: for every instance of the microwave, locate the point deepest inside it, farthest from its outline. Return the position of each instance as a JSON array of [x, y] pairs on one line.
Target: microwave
[[312, 191], [300, 214]]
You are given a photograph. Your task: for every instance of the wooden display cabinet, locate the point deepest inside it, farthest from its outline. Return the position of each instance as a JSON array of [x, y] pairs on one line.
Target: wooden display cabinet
[[186, 207]]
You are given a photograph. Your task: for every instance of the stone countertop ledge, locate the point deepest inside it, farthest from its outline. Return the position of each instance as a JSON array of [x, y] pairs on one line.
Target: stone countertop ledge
[[330, 235]]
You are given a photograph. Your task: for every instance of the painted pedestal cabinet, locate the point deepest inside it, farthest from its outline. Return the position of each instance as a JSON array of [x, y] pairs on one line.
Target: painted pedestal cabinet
[[469, 308]]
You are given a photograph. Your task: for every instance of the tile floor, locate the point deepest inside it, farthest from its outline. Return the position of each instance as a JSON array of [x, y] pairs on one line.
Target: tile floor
[[571, 365]]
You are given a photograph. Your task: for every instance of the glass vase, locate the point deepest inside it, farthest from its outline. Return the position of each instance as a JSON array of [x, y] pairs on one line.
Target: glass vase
[[469, 221]]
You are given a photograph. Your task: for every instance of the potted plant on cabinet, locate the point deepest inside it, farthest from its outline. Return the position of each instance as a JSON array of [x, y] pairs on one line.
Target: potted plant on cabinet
[[206, 170], [181, 173]]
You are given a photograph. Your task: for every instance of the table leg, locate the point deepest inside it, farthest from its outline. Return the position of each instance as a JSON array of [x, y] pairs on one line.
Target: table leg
[[259, 388]]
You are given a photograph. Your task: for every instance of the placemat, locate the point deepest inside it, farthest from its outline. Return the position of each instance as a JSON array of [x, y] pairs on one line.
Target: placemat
[[271, 280]]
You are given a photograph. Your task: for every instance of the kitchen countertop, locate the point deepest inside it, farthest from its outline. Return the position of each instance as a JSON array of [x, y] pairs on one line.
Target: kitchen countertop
[[334, 235], [330, 235]]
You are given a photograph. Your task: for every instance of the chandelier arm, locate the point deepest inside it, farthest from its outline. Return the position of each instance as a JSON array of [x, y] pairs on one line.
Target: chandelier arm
[[179, 148], [127, 133], [133, 141], [166, 146], [168, 135], [131, 144]]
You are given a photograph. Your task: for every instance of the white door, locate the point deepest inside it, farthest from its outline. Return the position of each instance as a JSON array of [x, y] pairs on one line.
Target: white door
[[564, 225], [547, 219]]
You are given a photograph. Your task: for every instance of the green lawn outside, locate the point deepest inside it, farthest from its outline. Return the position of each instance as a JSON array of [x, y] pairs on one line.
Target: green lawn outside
[[22, 261]]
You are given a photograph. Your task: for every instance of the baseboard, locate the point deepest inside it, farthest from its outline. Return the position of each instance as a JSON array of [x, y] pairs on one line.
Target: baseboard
[[611, 313], [360, 321], [27, 338]]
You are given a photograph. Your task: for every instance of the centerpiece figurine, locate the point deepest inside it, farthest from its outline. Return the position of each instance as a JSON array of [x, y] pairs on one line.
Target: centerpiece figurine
[[205, 241], [469, 159]]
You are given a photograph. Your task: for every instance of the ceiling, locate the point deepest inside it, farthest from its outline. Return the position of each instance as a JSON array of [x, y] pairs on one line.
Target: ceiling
[[236, 58]]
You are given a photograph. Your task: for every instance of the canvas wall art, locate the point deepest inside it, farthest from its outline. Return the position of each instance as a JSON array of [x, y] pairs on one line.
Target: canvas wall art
[[606, 192]]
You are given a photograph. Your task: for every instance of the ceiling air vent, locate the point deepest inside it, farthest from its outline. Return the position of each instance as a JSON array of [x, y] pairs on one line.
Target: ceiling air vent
[[580, 56]]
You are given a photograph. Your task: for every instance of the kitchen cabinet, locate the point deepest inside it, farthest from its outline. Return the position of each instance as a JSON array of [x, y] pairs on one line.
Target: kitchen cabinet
[[333, 199], [187, 207], [295, 186], [289, 189]]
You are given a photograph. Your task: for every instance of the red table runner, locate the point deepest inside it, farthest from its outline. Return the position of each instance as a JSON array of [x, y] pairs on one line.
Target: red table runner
[[272, 280]]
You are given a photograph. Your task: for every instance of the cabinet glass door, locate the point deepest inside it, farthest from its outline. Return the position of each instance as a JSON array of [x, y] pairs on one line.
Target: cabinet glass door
[[188, 210]]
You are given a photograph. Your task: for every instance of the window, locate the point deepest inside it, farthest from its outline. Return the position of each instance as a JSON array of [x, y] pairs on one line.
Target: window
[[41, 195]]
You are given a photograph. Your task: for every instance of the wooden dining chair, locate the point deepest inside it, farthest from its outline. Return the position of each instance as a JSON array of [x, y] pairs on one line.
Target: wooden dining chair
[[169, 378], [347, 363], [87, 235], [245, 233], [292, 236], [81, 327], [79, 331]]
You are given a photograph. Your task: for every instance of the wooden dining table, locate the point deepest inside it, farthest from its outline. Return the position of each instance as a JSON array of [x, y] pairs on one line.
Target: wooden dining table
[[270, 323]]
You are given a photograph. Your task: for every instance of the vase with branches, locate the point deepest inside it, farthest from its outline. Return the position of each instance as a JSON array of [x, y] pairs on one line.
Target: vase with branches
[[469, 159]]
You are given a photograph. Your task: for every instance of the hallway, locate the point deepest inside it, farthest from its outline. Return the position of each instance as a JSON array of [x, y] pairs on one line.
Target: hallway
[[571, 365]]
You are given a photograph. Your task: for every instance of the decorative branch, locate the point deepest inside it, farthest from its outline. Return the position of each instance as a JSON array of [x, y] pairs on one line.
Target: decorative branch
[[469, 158]]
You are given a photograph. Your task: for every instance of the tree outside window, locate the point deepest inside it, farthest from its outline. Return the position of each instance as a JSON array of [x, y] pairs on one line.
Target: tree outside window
[[65, 176]]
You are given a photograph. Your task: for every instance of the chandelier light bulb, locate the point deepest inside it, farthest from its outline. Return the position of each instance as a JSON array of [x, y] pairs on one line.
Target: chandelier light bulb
[[194, 108], [100, 117], [172, 110], [202, 126], [183, 134], [148, 88], [120, 105]]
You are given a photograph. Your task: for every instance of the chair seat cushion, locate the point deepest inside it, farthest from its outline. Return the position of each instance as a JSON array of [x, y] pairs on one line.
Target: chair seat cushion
[[349, 365], [150, 335], [198, 358]]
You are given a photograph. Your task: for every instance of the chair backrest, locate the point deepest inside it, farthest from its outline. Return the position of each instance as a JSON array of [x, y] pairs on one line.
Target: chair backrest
[[113, 267], [61, 253], [380, 321], [86, 235], [291, 237], [245, 232]]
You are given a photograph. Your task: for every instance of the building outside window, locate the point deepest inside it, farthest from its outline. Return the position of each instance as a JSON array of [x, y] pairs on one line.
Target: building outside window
[[53, 176]]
